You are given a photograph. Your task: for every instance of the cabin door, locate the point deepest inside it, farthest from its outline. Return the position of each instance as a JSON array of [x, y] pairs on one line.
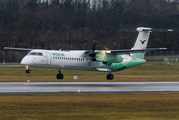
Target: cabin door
[[49, 58]]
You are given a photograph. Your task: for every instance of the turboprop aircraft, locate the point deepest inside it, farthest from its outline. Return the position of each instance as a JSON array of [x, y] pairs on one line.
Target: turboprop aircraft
[[93, 60]]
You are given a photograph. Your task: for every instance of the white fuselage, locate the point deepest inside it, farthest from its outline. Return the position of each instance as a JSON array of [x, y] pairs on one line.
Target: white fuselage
[[77, 60], [60, 60]]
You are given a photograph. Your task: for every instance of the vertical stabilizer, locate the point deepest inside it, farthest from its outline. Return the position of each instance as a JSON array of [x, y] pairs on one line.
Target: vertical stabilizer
[[142, 39]]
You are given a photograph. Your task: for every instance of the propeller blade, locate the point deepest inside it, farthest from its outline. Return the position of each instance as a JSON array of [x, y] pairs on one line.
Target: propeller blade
[[94, 46], [92, 53]]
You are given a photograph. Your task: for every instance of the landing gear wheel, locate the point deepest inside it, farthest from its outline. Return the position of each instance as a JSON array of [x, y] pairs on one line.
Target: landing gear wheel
[[28, 71], [59, 76], [110, 76]]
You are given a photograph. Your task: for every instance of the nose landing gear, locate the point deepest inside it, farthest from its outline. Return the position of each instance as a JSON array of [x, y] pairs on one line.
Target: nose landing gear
[[27, 69], [59, 75]]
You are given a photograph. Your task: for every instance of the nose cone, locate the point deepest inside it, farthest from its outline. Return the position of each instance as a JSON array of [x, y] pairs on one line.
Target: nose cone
[[26, 61]]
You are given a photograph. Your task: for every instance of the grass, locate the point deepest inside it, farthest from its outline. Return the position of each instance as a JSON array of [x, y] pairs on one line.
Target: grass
[[147, 72], [10, 64], [89, 107]]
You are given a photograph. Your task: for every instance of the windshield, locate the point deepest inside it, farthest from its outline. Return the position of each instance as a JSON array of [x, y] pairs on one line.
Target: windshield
[[35, 53]]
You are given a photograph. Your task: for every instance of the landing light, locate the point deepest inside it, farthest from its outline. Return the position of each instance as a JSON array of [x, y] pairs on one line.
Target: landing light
[[27, 67], [108, 51]]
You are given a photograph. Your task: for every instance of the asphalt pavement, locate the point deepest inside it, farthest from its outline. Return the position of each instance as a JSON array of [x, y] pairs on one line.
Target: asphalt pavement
[[88, 87]]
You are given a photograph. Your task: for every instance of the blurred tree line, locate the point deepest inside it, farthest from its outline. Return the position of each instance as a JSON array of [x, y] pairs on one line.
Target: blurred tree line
[[76, 25]]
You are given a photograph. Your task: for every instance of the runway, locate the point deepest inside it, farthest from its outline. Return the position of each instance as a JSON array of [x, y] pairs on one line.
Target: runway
[[88, 87]]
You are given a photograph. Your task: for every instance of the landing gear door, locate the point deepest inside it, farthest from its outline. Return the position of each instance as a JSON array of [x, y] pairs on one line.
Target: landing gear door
[[49, 58]]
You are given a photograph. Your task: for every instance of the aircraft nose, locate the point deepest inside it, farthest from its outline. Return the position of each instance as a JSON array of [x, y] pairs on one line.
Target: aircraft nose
[[26, 61]]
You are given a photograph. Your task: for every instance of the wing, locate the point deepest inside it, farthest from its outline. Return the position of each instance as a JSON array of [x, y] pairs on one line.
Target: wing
[[126, 51], [134, 50], [10, 48], [114, 56]]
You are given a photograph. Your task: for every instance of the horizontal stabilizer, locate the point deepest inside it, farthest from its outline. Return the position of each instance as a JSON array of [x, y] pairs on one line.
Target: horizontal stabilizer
[[140, 29], [10, 48], [134, 50], [159, 30], [126, 30]]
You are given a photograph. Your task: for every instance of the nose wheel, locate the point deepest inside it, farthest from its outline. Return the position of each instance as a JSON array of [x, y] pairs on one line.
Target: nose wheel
[[28, 71], [59, 75]]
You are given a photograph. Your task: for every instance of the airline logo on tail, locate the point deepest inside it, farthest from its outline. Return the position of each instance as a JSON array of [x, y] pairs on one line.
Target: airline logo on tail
[[142, 42]]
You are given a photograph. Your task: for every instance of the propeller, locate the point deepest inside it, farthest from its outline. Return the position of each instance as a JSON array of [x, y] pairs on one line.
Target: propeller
[[92, 53]]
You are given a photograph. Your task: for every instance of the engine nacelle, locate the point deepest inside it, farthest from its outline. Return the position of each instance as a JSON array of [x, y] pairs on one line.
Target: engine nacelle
[[108, 58]]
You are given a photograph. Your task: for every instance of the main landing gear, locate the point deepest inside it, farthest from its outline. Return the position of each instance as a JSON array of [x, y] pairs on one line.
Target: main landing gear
[[110, 76], [59, 75], [27, 69]]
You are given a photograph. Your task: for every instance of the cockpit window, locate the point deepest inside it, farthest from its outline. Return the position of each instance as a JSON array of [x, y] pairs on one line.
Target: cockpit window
[[35, 53], [32, 53], [39, 54]]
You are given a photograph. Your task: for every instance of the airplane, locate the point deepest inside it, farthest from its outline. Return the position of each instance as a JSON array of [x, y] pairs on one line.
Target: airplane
[[92, 60]]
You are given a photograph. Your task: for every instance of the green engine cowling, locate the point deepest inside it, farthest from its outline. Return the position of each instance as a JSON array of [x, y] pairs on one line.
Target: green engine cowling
[[108, 58]]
